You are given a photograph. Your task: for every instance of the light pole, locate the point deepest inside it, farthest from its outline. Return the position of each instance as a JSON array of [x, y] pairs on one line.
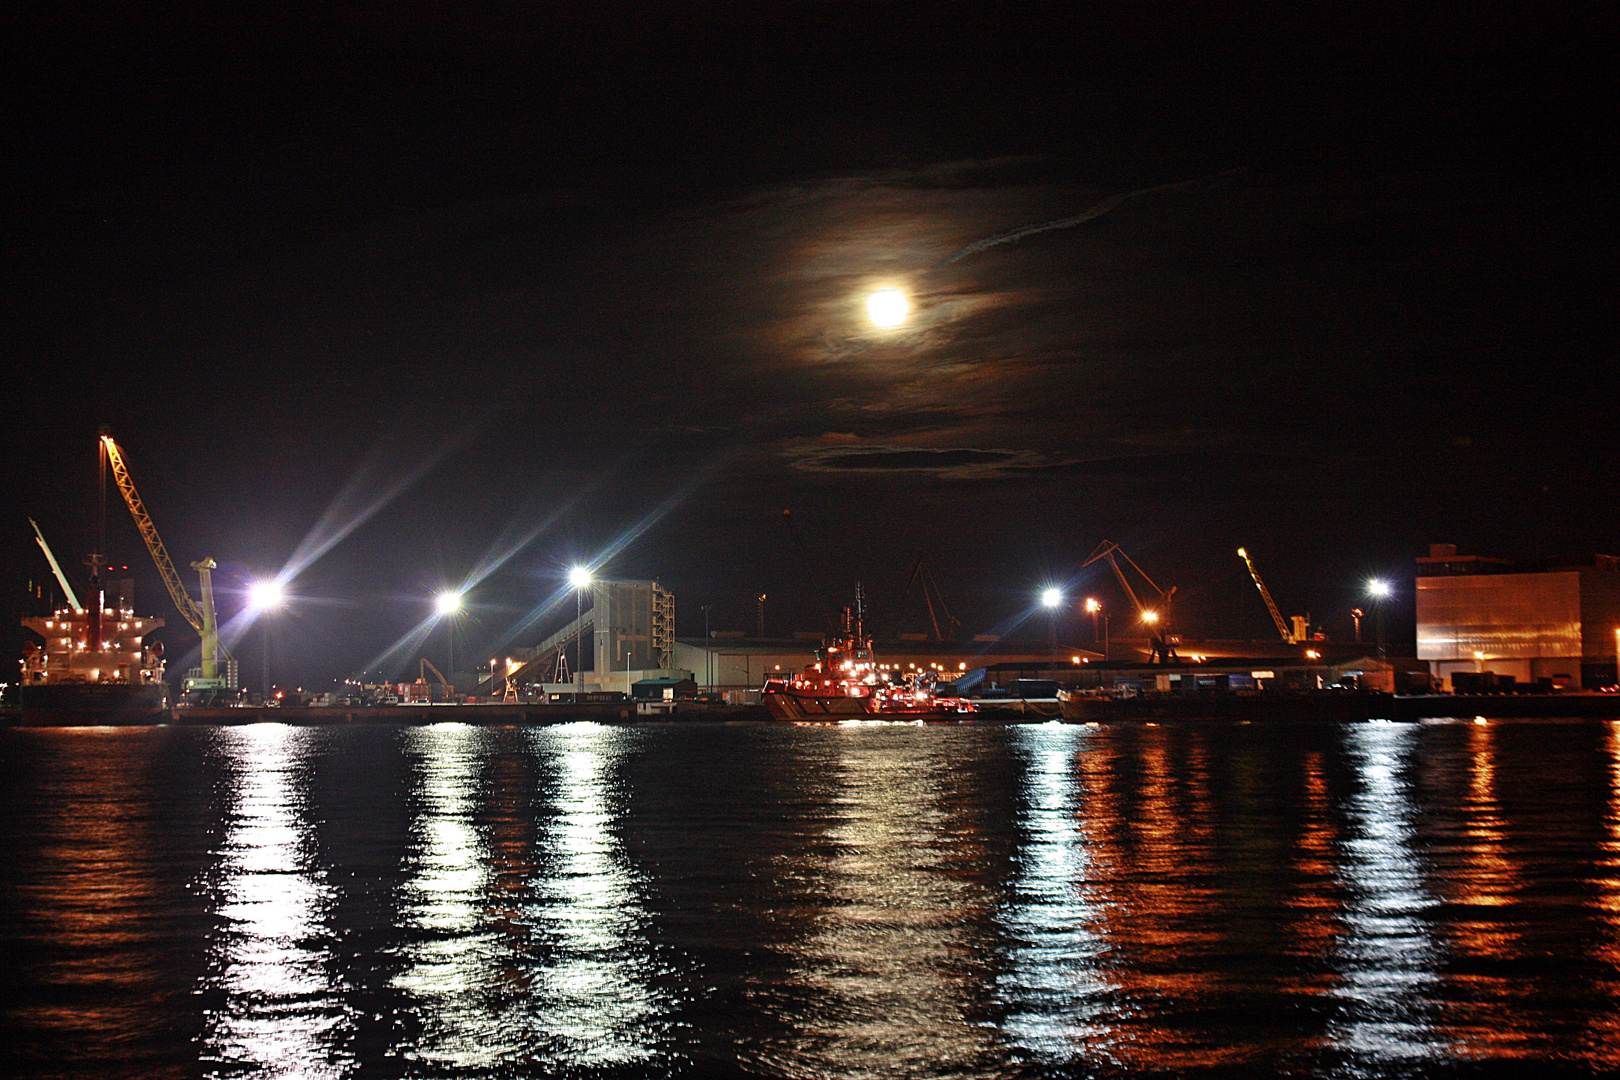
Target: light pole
[[1378, 589], [448, 604], [1356, 614], [263, 597], [1051, 600], [580, 578], [629, 650], [708, 654]]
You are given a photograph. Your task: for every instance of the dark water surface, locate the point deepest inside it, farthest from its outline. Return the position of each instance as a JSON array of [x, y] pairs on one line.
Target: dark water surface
[[841, 901]]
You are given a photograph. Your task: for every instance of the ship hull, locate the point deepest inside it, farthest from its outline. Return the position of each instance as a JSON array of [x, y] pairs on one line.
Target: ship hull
[[93, 704], [1265, 707], [800, 707], [810, 708]]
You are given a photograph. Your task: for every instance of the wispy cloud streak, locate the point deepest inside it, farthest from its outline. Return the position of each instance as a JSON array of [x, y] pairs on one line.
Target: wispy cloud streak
[[1108, 205]]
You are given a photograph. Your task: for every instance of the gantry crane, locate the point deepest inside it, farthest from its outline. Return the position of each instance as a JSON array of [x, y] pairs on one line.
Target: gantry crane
[[1288, 635], [205, 680], [1157, 620]]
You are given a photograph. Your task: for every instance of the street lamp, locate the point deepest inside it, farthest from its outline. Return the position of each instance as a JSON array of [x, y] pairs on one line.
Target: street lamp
[[1094, 606], [448, 605], [580, 578], [263, 597], [1051, 600], [1379, 590], [708, 653]]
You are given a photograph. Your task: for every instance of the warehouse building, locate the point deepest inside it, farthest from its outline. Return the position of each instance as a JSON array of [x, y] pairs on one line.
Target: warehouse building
[[1482, 622]]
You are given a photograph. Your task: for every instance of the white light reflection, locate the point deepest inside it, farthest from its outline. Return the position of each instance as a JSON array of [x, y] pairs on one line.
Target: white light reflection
[[453, 948], [283, 1015], [1389, 956], [887, 978], [592, 1001], [1051, 988]]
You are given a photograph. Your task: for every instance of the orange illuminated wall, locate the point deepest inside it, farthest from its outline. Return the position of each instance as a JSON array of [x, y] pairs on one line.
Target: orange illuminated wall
[[1503, 616]]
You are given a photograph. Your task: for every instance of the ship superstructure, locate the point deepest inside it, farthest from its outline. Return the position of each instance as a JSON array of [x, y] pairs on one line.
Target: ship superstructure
[[96, 664], [846, 683], [89, 646]]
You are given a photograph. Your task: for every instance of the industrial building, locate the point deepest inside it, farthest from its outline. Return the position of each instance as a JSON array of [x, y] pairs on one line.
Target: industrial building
[[733, 664], [624, 629], [1550, 623]]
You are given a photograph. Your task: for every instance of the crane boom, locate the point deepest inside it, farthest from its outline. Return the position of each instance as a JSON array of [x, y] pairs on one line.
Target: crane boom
[[1159, 621], [61, 578], [1271, 605], [205, 679], [154, 543]]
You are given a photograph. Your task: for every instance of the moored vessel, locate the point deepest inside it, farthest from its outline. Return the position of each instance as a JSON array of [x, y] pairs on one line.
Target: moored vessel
[[846, 683], [96, 665], [1262, 706]]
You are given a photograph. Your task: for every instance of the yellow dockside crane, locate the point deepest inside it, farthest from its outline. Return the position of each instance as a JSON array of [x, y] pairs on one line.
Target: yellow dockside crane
[[204, 683], [1293, 636]]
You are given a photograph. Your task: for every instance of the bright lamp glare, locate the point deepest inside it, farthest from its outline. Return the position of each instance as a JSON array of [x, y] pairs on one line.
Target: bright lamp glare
[[1378, 587], [579, 577], [264, 594], [887, 308], [1051, 598], [447, 603]]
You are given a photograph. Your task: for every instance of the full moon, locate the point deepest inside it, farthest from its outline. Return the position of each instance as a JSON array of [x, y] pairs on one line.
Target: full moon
[[887, 308]]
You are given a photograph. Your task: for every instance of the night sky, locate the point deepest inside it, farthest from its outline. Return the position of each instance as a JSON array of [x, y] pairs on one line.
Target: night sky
[[391, 300]]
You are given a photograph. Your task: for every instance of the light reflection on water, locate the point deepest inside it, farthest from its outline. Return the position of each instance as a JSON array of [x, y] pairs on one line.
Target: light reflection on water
[[453, 952], [593, 1000], [283, 1012], [886, 973], [1361, 901], [1387, 958], [525, 955], [1053, 987]]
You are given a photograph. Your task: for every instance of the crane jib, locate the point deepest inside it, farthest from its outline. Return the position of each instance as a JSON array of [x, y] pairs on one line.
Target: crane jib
[[154, 543]]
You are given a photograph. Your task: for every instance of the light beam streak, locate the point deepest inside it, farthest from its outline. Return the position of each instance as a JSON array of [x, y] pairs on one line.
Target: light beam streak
[[366, 493], [396, 656]]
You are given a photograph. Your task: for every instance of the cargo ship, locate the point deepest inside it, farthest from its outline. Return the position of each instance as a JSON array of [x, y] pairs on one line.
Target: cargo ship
[[845, 683], [96, 665]]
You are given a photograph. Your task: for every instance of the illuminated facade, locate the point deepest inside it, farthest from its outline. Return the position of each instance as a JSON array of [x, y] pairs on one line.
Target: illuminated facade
[[1549, 623]]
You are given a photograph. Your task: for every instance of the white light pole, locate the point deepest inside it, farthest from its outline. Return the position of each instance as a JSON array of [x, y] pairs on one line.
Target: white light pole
[[580, 578], [1379, 590], [1051, 600], [264, 597], [448, 605], [708, 653]]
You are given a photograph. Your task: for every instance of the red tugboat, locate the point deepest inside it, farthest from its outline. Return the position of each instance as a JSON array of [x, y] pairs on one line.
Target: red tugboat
[[844, 683]]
